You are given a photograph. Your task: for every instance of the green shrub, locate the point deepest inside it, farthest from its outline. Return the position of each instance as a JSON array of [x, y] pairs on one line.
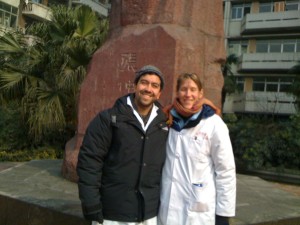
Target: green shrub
[[13, 134], [16, 145], [30, 154], [260, 142]]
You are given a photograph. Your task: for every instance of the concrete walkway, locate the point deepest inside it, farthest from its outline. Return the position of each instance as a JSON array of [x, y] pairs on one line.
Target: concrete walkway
[[35, 193]]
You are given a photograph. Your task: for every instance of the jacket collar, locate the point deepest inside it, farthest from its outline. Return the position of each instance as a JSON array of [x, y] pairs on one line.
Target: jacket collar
[[180, 122]]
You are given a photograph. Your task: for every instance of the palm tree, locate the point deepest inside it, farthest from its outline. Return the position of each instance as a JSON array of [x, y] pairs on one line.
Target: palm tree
[[45, 74], [229, 86]]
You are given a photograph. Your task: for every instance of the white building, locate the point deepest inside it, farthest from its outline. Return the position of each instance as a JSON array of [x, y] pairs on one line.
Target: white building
[[265, 35], [8, 14], [18, 14]]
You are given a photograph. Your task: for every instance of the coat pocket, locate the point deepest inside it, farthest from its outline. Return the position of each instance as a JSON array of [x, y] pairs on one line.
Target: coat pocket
[[198, 201]]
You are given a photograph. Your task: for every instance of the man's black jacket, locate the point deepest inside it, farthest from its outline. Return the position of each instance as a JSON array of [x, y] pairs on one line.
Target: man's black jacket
[[119, 165]]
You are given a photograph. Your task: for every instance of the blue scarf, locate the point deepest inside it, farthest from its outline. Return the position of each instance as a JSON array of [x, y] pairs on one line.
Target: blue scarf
[[180, 122]]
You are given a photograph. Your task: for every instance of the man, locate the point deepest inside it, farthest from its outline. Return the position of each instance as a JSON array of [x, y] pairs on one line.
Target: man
[[122, 154]]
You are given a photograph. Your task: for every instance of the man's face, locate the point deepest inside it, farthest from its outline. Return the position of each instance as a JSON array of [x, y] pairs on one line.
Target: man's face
[[147, 90]]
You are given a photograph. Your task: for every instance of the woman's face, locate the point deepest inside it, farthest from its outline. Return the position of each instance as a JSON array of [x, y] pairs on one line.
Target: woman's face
[[188, 93]]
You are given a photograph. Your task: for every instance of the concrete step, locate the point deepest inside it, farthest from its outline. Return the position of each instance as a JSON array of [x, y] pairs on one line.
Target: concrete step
[[35, 193]]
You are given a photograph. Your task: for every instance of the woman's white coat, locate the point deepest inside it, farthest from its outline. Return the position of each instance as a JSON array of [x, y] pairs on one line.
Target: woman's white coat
[[199, 178]]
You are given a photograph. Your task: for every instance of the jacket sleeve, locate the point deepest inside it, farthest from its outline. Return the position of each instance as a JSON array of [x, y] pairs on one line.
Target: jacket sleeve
[[223, 159], [92, 152]]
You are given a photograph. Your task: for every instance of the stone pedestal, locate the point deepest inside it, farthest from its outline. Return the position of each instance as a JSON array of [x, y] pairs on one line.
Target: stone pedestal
[[176, 36]]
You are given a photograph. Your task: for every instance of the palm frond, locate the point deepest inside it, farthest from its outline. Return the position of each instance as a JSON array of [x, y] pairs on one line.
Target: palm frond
[[70, 79], [9, 43], [87, 22], [63, 23], [40, 30], [48, 115], [79, 52], [11, 80]]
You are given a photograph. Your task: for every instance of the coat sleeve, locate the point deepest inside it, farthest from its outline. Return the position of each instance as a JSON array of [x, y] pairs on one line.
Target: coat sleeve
[[92, 152], [223, 159]]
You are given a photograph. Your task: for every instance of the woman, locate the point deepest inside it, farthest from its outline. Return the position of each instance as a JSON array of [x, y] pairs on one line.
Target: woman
[[199, 180]]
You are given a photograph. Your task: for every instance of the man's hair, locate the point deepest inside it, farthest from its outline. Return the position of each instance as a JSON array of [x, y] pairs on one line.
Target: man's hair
[[149, 69]]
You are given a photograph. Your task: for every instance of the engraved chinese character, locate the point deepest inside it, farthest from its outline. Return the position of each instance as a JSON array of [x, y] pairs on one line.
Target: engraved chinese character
[[128, 61], [129, 86]]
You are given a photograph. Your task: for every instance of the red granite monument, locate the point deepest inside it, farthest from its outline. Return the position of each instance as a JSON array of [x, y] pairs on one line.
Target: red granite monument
[[176, 36]]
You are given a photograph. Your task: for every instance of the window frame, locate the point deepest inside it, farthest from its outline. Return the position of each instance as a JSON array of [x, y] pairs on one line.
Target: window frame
[[264, 84], [270, 4], [241, 11], [7, 12], [291, 3], [265, 46], [238, 47], [240, 83]]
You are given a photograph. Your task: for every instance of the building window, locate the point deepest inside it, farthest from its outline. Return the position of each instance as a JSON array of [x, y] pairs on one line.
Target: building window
[[279, 46], [237, 47], [8, 15], [244, 47], [266, 7], [258, 84], [285, 84], [233, 47], [239, 11], [240, 81], [13, 21], [289, 46], [262, 46], [271, 84], [7, 20], [298, 46], [275, 46], [236, 12], [292, 6]]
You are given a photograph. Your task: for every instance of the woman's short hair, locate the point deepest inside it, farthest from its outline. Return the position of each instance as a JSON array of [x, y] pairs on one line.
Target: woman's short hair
[[194, 77]]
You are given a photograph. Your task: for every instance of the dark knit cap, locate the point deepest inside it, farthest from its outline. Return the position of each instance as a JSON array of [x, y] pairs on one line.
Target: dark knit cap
[[149, 69]]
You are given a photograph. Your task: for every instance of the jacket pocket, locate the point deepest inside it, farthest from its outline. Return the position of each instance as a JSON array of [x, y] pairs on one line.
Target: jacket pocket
[[198, 202], [197, 149]]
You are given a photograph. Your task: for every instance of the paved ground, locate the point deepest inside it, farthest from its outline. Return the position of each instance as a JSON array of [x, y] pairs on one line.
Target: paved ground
[[35, 193]]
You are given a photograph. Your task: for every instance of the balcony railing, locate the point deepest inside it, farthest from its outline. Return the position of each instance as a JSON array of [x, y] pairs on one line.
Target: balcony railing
[[97, 6], [37, 11], [270, 22], [263, 102], [268, 61]]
